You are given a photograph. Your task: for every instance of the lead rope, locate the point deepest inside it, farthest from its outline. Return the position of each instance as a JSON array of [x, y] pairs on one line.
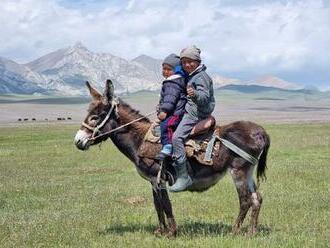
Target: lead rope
[[159, 182], [125, 125], [159, 174]]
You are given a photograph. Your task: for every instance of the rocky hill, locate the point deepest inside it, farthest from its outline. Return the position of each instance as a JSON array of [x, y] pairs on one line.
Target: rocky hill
[[63, 72]]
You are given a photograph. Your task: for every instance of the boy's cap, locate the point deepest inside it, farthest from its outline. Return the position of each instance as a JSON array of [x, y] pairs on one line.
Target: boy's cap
[[173, 60], [191, 52]]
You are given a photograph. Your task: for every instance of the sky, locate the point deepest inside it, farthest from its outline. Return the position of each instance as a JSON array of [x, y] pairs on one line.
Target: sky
[[238, 38]]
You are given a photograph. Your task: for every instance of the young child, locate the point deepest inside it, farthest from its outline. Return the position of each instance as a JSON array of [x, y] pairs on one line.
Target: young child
[[172, 102]]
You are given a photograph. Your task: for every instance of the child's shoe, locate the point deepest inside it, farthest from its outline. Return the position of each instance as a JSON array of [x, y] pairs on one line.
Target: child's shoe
[[165, 152]]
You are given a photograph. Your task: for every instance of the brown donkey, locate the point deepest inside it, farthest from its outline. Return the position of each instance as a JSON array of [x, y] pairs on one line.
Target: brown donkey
[[110, 117]]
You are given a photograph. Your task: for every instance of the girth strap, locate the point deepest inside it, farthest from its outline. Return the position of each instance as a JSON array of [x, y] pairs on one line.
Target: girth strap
[[209, 149], [239, 151]]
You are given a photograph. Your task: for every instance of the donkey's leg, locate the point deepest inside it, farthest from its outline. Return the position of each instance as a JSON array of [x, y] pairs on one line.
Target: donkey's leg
[[167, 207], [239, 176], [256, 200], [160, 212]]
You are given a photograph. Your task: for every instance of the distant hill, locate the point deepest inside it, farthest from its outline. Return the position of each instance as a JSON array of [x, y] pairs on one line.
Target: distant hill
[[64, 72], [251, 88], [72, 66], [220, 81], [260, 89], [273, 81], [20, 79], [153, 65]]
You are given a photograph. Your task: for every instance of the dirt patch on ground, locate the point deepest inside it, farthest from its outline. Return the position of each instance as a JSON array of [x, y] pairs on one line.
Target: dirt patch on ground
[[135, 200]]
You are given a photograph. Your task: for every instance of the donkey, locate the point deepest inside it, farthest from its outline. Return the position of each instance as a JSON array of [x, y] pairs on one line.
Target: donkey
[[110, 117]]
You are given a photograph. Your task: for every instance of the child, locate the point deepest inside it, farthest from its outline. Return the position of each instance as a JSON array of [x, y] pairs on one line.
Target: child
[[199, 106], [172, 102]]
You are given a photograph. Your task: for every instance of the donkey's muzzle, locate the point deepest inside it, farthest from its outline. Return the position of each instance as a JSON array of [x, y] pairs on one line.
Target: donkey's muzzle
[[82, 141]]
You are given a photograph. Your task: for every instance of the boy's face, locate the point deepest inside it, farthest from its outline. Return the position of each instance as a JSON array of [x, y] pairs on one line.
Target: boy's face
[[189, 65], [167, 71]]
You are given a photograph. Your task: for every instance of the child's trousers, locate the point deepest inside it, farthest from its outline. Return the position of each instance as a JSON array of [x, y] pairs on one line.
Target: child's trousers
[[167, 128]]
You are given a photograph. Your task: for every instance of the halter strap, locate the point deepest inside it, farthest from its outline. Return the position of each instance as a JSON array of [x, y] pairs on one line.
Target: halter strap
[[96, 129], [90, 128], [122, 126]]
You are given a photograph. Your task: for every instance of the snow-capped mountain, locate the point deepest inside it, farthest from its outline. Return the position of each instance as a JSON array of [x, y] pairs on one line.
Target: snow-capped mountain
[[72, 66], [64, 72]]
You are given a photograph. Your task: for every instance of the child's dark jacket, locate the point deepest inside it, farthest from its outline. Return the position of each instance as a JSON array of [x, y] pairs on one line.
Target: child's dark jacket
[[173, 95]]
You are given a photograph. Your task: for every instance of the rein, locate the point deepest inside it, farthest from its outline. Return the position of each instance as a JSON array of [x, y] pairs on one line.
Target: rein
[[122, 126], [96, 129]]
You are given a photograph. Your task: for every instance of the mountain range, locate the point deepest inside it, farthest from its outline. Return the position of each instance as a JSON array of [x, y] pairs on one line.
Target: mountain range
[[63, 72]]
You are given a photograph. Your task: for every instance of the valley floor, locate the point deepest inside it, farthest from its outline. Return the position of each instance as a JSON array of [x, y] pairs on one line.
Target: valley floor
[[269, 107]]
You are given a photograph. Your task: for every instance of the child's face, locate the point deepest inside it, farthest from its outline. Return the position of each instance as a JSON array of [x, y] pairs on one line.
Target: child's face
[[167, 71], [189, 65]]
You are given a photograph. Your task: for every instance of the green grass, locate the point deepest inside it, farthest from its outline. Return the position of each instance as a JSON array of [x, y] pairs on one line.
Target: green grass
[[52, 195]]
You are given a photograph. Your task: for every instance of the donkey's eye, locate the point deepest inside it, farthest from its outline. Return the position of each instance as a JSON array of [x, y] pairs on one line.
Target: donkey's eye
[[103, 113], [94, 118]]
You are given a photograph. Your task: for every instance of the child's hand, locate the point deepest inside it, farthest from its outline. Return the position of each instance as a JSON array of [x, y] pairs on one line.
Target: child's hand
[[162, 116], [190, 91]]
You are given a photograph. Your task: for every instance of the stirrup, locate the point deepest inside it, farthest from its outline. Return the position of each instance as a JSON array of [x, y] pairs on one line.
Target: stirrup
[[161, 156]]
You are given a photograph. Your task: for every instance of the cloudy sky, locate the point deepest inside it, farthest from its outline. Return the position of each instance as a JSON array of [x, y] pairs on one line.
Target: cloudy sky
[[238, 38]]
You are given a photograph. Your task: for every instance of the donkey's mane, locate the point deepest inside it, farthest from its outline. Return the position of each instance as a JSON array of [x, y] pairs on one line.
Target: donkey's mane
[[127, 114]]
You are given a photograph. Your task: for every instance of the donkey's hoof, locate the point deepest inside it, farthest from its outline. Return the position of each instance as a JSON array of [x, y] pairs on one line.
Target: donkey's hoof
[[236, 230], [159, 231], [252, 232], [171, 234]]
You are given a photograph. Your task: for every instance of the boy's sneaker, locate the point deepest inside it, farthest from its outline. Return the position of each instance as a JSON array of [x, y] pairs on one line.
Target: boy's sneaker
[[165, 152]]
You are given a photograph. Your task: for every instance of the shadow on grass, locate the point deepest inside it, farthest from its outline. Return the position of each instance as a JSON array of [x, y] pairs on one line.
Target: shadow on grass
[[191, 229], [122, 229], [202, 228]]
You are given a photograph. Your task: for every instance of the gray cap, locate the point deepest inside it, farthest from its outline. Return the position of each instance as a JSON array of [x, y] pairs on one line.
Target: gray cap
[[191, 52], [173, 60]]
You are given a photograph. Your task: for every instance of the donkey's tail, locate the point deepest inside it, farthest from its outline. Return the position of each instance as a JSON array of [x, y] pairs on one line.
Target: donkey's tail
[[262, 164]]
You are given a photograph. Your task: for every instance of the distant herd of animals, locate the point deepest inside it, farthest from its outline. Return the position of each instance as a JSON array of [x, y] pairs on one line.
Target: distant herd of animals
[[46, 119]]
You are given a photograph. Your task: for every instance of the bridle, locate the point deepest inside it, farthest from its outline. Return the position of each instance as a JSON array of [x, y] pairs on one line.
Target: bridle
[[114, 107], [96, 129]]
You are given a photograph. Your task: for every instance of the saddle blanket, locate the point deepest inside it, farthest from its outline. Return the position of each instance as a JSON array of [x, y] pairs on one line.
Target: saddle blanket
[[202, 148]]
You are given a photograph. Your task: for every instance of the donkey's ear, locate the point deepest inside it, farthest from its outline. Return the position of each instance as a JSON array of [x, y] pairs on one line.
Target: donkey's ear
[[109, 90], [94, 93]]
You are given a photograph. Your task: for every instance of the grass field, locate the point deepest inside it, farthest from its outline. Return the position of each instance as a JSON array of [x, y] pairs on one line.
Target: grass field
[[52, 195]]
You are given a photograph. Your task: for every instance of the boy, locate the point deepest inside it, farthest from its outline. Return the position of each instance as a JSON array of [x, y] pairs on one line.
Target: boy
[[172, 102], [199, 106]]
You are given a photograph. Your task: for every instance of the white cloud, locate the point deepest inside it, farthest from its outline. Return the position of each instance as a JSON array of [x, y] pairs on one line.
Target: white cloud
[[272, 37]]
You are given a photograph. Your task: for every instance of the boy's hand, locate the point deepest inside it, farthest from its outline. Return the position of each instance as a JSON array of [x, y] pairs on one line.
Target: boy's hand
[[162, 116], [190, 91]]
